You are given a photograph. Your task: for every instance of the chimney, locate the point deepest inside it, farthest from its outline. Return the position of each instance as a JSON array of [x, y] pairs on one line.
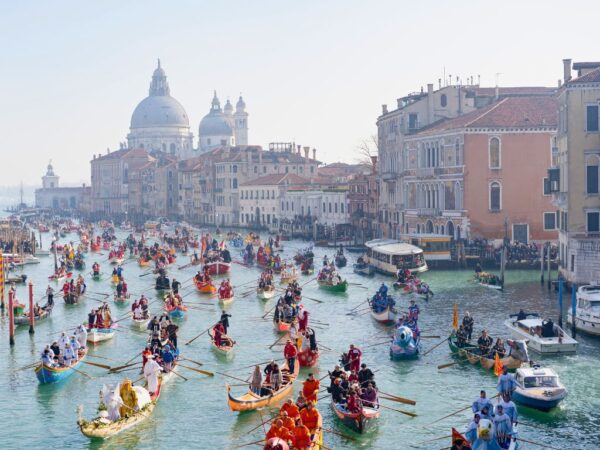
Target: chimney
[[429, 103], [299, 147], [399, 102], [497, 93], [384, 109], [566, 70], [306, 150], [314, 154], [439, 83]]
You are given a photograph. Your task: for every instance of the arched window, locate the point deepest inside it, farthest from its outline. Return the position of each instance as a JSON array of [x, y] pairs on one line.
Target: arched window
[[429, 227], [450, 228], [495, 196], [172, 149], [235, 183], [443, 100], [494, 153]]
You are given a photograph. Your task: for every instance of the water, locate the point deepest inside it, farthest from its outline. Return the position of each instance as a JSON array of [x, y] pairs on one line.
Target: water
[[194, 414]]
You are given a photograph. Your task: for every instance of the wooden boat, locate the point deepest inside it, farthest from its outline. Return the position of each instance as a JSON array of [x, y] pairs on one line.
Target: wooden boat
[[360, 421], [281, 325], [404, 345], [308, 358], [116, 260], [470, 353], [177, 312], [139, 324], [206, 288], [72, 298], [96, 335], [364, 269], [46, 374], [18, 308], [387, 317], [102, 428], [17, 279], [218, 268], [265, 293], [226, 349], [489, 280], [227, 300], [24, 318], [288, 278], [251, 401], [59, 278], [97, 276], [329, 286], [340, 261], [121, 299], [144, 263]]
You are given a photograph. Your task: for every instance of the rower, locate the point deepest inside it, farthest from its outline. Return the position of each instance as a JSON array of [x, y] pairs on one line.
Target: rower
[[481, 402], [509, 407], [498, 349], [369, 396], [338, 393], [225, 321], [413, 310], [468, 322], [506, 383], [310, 417], [290, 352], [310, 388], [365, 375], [461, 336], [336, 373], [301, 438], [503, 427], [175, 285], [278, 430], [354, 355], [290, 408], [484, 342], [471, 430]]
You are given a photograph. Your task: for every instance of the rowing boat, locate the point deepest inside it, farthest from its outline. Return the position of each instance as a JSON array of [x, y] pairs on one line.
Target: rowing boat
[[46, 374], [24, 319], [308, 358], [139, 324], [329, 286], [226, 347], [206, 287], [227, 300], [265, 293], [281, 325], [96, 335], [97, 276], [218, 268], [116, 260], [121, 299], [177, 312], [360, 421], [72, 298], [59, 278], [387, 317], [470, 353], [144, 263], [251, 401]]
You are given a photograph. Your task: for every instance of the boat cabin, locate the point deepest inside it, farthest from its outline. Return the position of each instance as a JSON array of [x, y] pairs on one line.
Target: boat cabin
[[389, 255], [537, 377]]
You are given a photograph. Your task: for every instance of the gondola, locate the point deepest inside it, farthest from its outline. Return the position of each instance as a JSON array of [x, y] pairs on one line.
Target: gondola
[[218, 267], [360, 421], [251, 401], [470, 353], [281, 325], [226, 347]]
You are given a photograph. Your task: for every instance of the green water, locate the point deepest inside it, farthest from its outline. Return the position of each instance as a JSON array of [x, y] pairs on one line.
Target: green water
[[194, 414]]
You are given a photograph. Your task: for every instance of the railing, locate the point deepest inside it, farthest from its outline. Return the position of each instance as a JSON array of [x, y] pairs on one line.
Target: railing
[[429, 212], [425, 171], [389, 176]]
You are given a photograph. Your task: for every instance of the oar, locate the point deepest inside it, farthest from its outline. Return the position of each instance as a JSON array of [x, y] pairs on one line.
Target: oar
[[28, 366], [536, 443], [234, 378], [260, 425], [247, 443], [191, 360], [325, 347], [400, 399], [345, 436], [181, 376], [360, 304], [192, 340], [443, 366], [101, 357], [82, 373], [436, 346], [430, 337], [313, 299], [116, 369], [203, 372], [277, 341], [259, 364], [103, 366], [379, 343], [399, 410], [269, 311]]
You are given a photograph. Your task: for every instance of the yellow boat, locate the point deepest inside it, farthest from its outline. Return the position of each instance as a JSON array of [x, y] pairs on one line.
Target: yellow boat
[[251, 401]]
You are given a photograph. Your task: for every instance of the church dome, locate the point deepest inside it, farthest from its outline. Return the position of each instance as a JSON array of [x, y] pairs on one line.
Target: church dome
[[159, 109], [215, 123]]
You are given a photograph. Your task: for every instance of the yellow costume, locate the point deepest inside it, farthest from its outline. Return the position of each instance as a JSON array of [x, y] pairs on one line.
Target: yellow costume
[[129, 397]]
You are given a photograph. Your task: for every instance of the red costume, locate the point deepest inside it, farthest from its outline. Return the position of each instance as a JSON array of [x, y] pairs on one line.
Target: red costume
[[354, 355], [218, 330], [290, 350], [353, 404]]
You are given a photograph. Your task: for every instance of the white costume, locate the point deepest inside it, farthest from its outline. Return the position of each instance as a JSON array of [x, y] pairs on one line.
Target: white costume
[[75, 347], [137, 313], [113, 401], [68, 354], [151, 371], [81, 334], [62, 341]]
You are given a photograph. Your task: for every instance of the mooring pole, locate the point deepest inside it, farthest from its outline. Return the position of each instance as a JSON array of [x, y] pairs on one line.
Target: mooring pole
[[31, 312]]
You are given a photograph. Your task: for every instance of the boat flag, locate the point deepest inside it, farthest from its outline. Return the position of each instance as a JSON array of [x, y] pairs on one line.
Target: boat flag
[[457, 437], [498, 368], [222, 245], [455, 318]]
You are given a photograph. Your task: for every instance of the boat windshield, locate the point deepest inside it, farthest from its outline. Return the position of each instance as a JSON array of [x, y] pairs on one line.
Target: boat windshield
[[533, 382], [595, 305]]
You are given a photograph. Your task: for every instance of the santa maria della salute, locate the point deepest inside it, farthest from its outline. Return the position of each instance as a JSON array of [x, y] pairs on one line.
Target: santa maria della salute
[[159, 122]]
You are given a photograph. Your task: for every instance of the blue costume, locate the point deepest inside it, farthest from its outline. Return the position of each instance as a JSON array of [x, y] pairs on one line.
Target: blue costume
[[506, 383]]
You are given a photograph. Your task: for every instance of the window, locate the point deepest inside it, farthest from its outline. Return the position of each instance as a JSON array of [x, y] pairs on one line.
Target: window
[[342, 206], [494, 151], [593, 222], [255, 169], [235, 183], [495, 196], [412, 121], [591, 174], [592, 118], [335, 207], [549, 221], [324, 207], [234, 169], [330, 207], [546, 184], [443, 100]]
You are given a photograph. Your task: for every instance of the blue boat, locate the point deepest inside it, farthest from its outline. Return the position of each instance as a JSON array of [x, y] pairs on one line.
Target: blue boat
[[404, 345], [46, 374], [538, 388]]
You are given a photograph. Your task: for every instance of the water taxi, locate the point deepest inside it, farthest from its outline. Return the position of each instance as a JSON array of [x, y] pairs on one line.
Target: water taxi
[[543, 336], [587, 310], [388, 255], [538, 388]]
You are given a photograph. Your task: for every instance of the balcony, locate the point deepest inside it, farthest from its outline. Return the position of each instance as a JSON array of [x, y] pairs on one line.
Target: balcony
[[389, 176], [553, 180], [425, 172], [429, 212]]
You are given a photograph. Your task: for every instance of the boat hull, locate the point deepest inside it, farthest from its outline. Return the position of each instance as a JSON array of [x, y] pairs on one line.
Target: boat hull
[[468, 354], [282, 326], [218, 268], [96, 335], [340, 287], [308, 358], [588, 325], [48, 375], [223, 350], [359, 422], [386, 317], [538, 399], [140, 324], [265, 294]]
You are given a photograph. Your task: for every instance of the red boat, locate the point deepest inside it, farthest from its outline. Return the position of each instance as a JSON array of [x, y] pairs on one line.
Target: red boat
[[308, 358], [218, 268]]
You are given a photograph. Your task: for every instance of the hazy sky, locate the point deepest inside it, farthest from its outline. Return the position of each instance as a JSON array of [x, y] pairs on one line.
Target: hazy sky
[[315, 72]]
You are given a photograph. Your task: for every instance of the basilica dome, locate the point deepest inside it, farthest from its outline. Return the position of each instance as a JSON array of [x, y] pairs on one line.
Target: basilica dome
[[215, 123]]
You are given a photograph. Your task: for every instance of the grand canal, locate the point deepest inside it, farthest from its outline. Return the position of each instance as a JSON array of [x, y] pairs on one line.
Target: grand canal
[[194, 413]]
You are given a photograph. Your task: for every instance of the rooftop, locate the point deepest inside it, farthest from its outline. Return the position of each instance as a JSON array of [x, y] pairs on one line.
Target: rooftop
[[278, 179], [590, 77]]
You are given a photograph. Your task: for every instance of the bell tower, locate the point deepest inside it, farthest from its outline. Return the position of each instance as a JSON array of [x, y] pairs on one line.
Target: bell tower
[[241, 123], [50, 180]]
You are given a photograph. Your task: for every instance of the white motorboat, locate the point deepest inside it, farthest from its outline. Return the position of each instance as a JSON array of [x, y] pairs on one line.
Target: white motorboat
[[30, 259], [543, 336], [587, 310], [538, 388], [266, 293], [96, 335]]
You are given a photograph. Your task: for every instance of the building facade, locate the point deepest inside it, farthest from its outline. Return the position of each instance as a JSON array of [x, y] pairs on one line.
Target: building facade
[[574, 177], [53, 196], [363, 202]]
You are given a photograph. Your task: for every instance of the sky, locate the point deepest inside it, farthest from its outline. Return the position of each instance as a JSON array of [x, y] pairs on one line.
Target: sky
[[313, 72]]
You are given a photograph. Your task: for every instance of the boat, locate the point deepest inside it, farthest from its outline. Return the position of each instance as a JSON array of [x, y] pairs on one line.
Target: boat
[[281, 325], [226, 349], [96, 335], [470, 353], [102, 428], [116, 260], [59, 278], [340, 260], [227, 300], [287, 278], [15, 279], [308, 271], [587, 310], [538, 388], [543, 336], [72, 298], [97, 276], [363, 269], [266, 293], [23, 319], [360, 421], [387, 316], [404, 345], [206, 287], [144, 263], [30, 259], [177, 312], [251, 401], [482, 437], [46, 374], [139, 324], [388, 255], [308, 357], [218, 267], [121, 299], [332, 286], [489, 280]]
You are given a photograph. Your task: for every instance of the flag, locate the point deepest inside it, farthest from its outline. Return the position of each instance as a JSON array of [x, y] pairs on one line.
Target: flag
[[455, 318], [456, 436], [222, 245], [498, 368]]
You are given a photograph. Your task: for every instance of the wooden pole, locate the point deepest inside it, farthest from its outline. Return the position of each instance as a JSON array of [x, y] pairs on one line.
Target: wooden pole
[[11, 318], [573, 309], [542, 254], [31, 313], [549, 269], [560, 302]]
